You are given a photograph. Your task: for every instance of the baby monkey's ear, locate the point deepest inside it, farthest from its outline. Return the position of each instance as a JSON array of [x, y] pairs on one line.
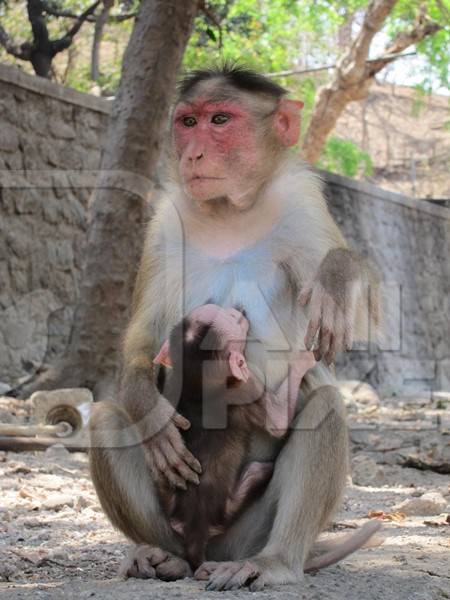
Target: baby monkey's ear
[[238, 366], [163, 356]]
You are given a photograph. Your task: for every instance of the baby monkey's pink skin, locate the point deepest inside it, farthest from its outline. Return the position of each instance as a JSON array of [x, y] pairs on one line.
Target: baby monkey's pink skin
[[232, 327], [226, 486]]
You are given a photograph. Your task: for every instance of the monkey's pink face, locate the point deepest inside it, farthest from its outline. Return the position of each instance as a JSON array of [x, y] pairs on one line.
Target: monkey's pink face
[[217, 149], [229, 323]]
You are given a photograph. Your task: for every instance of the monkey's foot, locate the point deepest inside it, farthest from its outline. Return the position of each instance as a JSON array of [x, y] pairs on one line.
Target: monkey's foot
[[150, 562], [254, 573]]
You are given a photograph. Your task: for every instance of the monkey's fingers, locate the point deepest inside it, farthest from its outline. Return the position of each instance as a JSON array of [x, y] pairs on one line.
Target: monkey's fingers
[[315, 318], [164, 470], [180, 421], [350, 313], [337, 339], [326, 326], [331, 353], [178, 444], [306, 293], [176, 463]]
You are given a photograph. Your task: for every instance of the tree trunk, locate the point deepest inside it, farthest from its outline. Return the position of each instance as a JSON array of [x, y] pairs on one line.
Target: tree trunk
[[116, 213], [42, 63], [98, 35], [349, 82], [355, 74], [41, 48]]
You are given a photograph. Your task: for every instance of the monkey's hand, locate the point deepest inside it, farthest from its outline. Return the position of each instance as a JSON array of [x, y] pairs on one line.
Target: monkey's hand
[[333, 296], [165, 451]]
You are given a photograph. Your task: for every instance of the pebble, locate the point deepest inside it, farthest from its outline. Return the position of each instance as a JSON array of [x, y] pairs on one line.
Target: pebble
[[428, 505], [365, 471], [57, 502]]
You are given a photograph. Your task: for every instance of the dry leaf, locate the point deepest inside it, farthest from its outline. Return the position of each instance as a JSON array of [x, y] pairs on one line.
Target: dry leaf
[[392, 516], [24, 493]]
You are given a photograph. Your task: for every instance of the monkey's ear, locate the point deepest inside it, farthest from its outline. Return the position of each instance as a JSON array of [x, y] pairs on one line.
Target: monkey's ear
[[163, 356], [238, 366], [287, 121]]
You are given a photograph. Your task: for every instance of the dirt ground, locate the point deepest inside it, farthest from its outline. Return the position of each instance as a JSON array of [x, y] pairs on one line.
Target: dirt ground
[[56, 543]]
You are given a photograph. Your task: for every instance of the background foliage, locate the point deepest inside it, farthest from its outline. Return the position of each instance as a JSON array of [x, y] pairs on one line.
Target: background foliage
[[269, 35]]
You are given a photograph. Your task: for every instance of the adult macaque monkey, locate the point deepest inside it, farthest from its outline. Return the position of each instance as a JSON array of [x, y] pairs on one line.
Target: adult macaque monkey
[[244, 223]]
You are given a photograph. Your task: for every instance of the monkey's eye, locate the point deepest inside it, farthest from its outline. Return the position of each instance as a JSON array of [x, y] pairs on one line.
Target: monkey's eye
[[189, 121], [220, 119]]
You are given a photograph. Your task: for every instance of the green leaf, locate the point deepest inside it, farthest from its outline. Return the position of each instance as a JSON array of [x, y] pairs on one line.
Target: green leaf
[[211, 34]]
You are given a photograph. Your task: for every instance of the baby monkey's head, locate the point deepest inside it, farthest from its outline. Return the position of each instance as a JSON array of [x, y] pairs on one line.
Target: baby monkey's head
[[209, 341]]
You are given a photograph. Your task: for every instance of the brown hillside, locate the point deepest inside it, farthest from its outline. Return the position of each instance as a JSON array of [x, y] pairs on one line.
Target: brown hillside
[[408, 137]]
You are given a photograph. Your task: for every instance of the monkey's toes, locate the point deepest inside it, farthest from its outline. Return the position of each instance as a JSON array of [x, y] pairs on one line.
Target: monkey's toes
[[141, 561], [205, 569], [233, 575], [173, 568]]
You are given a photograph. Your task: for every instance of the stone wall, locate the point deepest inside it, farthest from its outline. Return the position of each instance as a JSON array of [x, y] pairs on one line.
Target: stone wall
[[409, 241], [54, 134], [45, 129]]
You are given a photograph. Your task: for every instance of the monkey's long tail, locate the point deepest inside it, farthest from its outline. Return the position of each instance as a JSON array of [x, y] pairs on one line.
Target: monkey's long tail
[[337, 550]]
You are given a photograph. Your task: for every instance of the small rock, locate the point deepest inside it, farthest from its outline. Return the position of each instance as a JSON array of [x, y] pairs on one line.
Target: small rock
[[57, 502], [59, 555], [430, 504], [365, 471], [32, 522], [50, 482], [358, 391], [441, 399], [57, 453], [6, 571], [4, 388], [81, 502]]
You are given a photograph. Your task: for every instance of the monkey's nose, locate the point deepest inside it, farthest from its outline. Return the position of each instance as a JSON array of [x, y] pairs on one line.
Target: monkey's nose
[[196, 157]]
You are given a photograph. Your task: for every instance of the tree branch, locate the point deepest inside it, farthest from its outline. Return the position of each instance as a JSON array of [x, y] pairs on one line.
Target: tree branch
[[21, 51], [65, 41], [353, 62], [354, 73], [387, 58], [423, 28], [212, 17], [54, 11], [121, 18], [98, 35]]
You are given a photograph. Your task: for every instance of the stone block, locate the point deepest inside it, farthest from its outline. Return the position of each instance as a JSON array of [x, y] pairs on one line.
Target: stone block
[[60, 254], [26, 201], [9, 138], [19, 281], [18, 244], [62, 130], [23, 330]]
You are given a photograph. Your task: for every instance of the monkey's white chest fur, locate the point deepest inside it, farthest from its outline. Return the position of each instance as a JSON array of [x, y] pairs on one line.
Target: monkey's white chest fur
[[262, 276]]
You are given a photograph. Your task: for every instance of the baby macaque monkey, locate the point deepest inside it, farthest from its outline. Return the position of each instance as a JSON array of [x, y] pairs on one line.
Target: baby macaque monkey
[[210, 378]]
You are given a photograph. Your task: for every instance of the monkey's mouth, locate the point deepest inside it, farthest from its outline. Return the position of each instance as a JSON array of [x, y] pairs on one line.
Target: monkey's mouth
[[196, 178]]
